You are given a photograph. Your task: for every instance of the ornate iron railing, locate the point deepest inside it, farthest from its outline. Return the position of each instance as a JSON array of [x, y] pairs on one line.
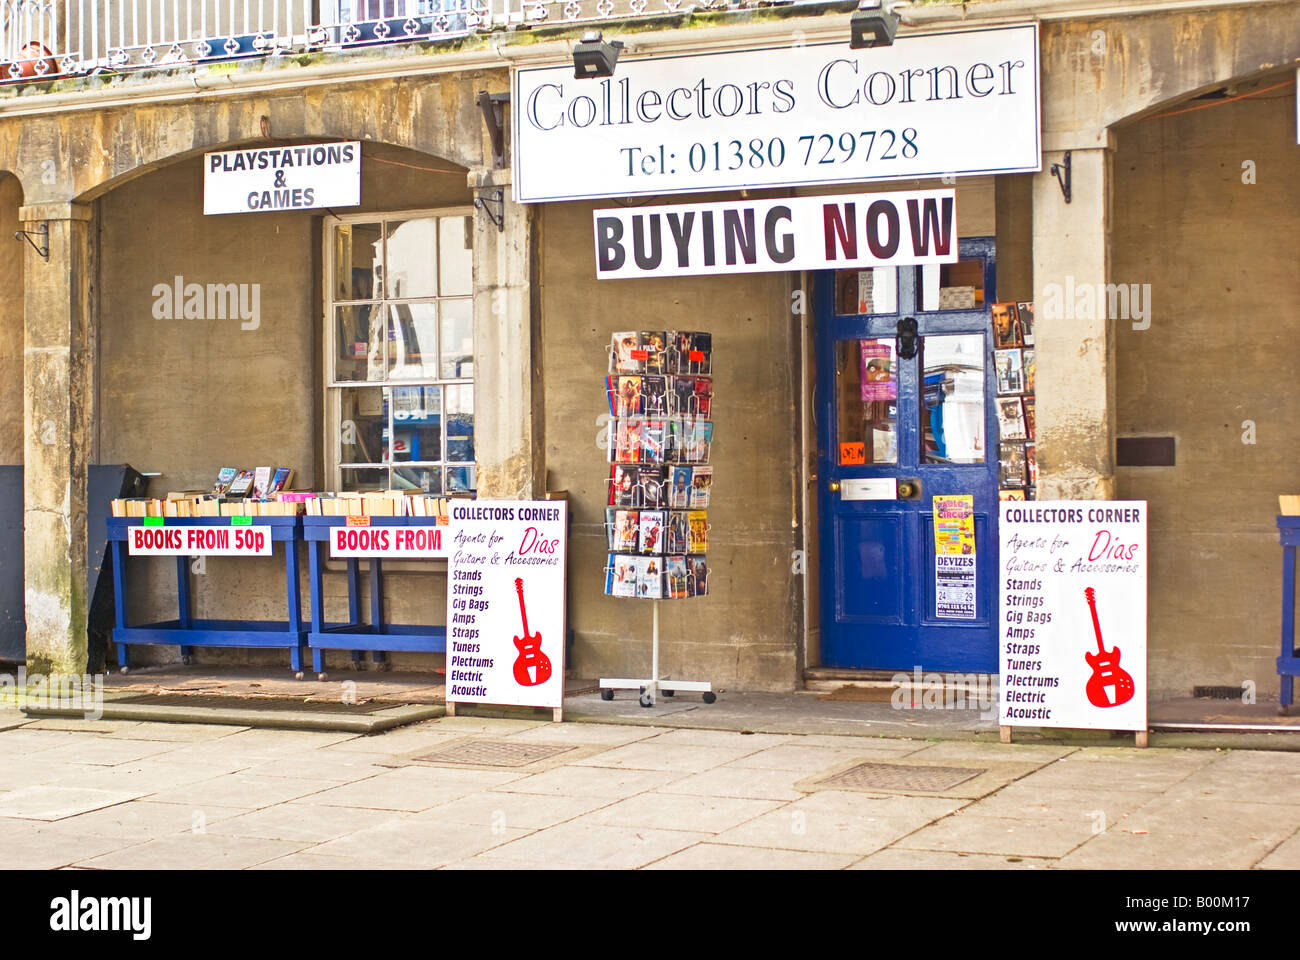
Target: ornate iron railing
[[43, 39]]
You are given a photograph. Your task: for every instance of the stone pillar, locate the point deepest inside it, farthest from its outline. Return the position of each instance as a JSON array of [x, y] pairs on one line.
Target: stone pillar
[[508, 427], [1074, 344], [58, 359]]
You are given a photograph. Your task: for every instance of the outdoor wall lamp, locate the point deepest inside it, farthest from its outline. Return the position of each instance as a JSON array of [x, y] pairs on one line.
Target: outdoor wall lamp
[[43, 234], [593, 57], [872, 25]]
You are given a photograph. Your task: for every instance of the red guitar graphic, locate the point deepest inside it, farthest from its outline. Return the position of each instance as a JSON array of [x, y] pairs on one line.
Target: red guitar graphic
[[1110, 685], [533, 666]]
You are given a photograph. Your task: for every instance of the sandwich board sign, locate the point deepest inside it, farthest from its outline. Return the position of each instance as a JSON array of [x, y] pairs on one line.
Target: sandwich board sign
[[1072, 644]]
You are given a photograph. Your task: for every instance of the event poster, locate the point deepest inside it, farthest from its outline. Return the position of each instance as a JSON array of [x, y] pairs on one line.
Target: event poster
[[505, 602], [1073, 636], [954, 557]]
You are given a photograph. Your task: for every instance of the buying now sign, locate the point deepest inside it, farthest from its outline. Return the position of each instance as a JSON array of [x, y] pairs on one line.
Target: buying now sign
[[860, 230], [310, 176], [199, 541]]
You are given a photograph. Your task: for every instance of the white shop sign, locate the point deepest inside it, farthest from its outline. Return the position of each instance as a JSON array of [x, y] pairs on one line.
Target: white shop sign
[[198, 541], [959, 102], [389, 543], [1073, 636], [505, 603], [311, 176], [792, 233]]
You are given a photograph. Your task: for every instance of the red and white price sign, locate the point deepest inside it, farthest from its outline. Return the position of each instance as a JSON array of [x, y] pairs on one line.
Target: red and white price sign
[[234, 541], [389, 543]]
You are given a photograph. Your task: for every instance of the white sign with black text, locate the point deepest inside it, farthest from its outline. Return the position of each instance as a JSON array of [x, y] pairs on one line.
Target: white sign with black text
[[792, 233], [388, 542], [243, 540], [505, 603], [1073, 639], [958, 102], [310, 176]]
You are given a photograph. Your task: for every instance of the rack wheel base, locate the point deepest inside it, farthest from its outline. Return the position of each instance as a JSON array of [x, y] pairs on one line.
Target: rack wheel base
[[607, 694], [1283, 710], [125, 670], [187, 660], [669, 693], [298, 675], [710, 697], [322, 676], [646, 701]]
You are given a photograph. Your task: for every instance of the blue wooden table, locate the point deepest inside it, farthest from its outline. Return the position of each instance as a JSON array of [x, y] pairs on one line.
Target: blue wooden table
[[188, 632], [1288, 664], [378, 636]]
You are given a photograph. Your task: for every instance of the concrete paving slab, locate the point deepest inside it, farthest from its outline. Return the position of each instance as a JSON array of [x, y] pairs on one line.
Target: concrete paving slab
[[396, 743], [38, 846], [593, 782], [670, 757], [175, 732], [145, 777], [103, 752], [1150, 770], [669, 811], [720, 856], [896, 858], [719, 738], [391, 791], [27, 771], [1005, 836], [1285, 856], [240, 790], [192, 851], [334, 766], [497, 727], [1022, 802], [839, 823], [22, 741], [421, 844], [809, 759], [309, 823], [1218, 818], [525, 810], [589, 733], [49, 802], [578, 842], [144, 819], [744, 783], [492, 863], [1115, 850], [962, 751], [80, 725]]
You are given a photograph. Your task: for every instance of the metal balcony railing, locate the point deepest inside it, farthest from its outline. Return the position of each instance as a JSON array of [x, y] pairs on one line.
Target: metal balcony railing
[[44, 39]]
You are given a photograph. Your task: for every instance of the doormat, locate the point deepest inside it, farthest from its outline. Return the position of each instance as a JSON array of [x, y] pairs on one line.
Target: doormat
[[492, 753], [899, 777]]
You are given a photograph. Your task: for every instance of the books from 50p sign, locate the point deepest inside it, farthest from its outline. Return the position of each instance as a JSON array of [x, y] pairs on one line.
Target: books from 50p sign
[[659, 396]]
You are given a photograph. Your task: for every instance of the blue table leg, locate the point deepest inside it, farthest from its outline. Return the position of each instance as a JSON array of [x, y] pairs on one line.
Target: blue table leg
[[293, 593], [377, 604], [354, 605], [186, 609], [118, 548], [1288, 622], [317, 603]]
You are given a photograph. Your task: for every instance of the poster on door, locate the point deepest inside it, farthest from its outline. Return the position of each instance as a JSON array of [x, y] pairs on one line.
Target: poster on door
[[505, 602], [1073, 637], [954, 557]]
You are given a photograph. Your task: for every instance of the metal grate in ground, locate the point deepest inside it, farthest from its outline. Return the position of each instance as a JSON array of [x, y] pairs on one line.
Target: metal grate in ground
[[492, 753], [900, 777]]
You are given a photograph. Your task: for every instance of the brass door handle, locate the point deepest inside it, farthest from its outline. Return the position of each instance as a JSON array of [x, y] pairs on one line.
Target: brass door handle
[[834, 486], [906, 490]]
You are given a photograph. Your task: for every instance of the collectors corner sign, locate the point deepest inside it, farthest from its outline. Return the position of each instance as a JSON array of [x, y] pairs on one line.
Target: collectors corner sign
[[958, 102], [792, 233], [309, 176]]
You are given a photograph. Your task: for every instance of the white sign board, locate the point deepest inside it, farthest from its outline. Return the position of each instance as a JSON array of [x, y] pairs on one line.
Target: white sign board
[[232, 541], [310, 176], [792, 233], [1073, 638], [389, 543], [958, 102], [505, 603], [871, 488]]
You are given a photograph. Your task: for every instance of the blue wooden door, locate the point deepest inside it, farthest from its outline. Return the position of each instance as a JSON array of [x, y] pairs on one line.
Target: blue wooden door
[[919, 426]]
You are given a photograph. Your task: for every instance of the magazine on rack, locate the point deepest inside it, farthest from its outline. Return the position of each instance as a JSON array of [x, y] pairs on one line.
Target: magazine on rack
[[701, 483], [1006, 326], [625, 574], [1011, 465], [1009, 366], [622, 351], [651, 531], [679, 487], [699, 576], [678, 537], [650, 577], [1011, 420], [698, 521], [654, 396], [675, 571], [629, 397], [651, 483]]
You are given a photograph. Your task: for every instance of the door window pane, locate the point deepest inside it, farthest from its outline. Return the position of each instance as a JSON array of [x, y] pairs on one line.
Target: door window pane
[[953, 286], [866, 385], [952, 399], [871, 291]]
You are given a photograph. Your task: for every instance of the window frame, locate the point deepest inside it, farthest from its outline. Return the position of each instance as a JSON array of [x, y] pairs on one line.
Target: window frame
[[335, 388]]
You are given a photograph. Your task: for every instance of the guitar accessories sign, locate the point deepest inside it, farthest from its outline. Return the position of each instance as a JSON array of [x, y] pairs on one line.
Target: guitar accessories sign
[[1073, 641], [757, 236], [960, 102], [505, 603]]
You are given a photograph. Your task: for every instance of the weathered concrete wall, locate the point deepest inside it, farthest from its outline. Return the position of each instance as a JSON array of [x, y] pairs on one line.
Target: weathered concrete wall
[[187, 396], [1220, 256], [744, 634], [11, 323]]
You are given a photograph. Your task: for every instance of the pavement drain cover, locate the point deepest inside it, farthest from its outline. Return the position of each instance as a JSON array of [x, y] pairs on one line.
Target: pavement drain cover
[[900, 776], [493, 753]]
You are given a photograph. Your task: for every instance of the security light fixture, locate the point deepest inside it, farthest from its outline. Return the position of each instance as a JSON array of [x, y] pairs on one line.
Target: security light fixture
[[593, 57], [872, 25]]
